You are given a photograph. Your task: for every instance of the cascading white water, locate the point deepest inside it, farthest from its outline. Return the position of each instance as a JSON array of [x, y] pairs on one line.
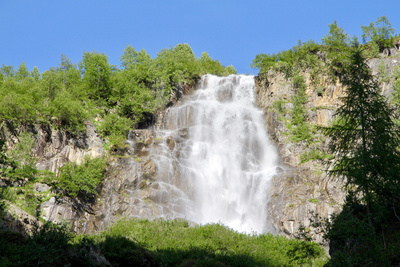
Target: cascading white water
[[226, 160]]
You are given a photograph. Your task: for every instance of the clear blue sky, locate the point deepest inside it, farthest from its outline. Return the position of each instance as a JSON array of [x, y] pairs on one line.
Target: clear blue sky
[[232, 31]]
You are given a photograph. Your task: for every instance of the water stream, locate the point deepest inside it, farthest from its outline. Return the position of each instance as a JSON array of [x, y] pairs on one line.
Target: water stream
[[221, 160]]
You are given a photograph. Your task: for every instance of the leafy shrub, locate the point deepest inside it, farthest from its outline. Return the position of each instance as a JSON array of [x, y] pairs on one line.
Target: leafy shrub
[[46, 247], [82, 180], [301, 57], [116, 129]]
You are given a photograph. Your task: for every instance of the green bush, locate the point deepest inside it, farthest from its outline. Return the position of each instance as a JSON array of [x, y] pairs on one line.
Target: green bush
[[314, 154], [47, 246], [82, 180], [301, 57], [116, 129]]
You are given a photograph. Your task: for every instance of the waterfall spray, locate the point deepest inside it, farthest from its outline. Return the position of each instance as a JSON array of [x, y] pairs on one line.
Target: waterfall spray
[[225, 161]]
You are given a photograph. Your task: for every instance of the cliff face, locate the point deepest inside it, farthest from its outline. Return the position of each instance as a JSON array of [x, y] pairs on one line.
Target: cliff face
[[299, 189], [303, 189], [132, 185], [127, 190], [52, 149]]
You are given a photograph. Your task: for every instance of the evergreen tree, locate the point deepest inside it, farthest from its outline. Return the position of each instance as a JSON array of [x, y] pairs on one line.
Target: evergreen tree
[[365, 138]]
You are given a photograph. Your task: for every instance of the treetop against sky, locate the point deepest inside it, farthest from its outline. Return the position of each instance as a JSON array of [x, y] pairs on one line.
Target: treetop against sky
[[38, 32]]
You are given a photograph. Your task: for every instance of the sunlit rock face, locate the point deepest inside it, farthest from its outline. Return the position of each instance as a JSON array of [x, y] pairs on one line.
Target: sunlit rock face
[[303, 189]]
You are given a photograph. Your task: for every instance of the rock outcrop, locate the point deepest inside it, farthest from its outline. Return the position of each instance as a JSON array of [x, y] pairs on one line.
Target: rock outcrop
[[52, 149], [303, 189], [136, 186]]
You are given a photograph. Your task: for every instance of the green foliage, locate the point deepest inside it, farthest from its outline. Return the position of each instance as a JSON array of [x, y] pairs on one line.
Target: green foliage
[[338, 43], [122, 251], [314, 154], [279, 106], [67, 111], [8, 193], [383, 75], [7, 165], [379, 33], [396, 88], [155, 243], [301, 57], [7, 71], [303, 252], [174, 243], [208, 65], [336, 38], [48, 246], [67, 96], [24, 159], [359, 240], [365, 139], [23, 150], [301, 130], [22, 72], [82, 180], [115, 128], [36, 74], [96, 75]]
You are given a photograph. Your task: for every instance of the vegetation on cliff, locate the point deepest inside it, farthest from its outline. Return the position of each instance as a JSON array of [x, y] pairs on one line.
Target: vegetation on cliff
[[364, 140], [366, 144], [115, 98]]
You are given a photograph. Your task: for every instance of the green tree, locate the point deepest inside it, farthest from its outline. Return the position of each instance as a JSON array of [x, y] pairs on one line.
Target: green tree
[[51, 83], [365, 141], [69, 73], [138, 68], [35, 74], [301, 130], [24, 156], [129, 57], [7, 71], [208, 65], [380, 33], [396, 90], [178, 64], [97, 74], [336, 37], [22, 72], [365, 138], [337, 42]]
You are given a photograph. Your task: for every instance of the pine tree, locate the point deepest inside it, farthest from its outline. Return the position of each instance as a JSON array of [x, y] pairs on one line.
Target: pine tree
[[365, 138]]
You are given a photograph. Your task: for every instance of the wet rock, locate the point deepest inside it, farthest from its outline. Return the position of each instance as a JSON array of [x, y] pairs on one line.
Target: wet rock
[[170, 143]]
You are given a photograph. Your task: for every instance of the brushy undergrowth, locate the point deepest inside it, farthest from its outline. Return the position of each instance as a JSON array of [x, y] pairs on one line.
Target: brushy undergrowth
[[138, 242], [175, 243]]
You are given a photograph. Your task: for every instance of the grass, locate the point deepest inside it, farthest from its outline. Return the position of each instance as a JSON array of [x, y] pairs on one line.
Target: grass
[[138, 242], [175, 243]]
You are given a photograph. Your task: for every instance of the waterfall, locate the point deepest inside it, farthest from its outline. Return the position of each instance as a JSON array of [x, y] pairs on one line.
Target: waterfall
[[217, 160]]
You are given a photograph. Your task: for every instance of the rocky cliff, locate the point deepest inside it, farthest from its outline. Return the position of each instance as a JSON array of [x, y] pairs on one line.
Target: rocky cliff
[[302, 189], [135, 182]]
